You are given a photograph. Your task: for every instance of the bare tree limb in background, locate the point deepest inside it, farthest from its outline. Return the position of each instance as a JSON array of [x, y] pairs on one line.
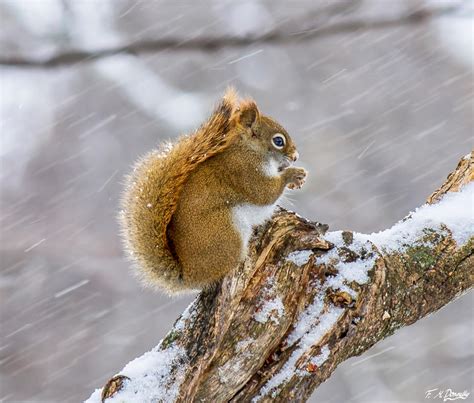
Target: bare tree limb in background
[[305, 300], [305, 32]]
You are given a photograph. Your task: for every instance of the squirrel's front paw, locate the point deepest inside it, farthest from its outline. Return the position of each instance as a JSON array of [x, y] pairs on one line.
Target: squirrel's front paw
[[296, 177]]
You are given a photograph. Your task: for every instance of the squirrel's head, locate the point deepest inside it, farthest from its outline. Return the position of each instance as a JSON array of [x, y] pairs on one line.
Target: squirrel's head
[[265, 136]]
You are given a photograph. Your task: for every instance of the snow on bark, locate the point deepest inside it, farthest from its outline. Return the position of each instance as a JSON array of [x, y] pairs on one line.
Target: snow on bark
[[306, 300], [455, 213], [149, 377]]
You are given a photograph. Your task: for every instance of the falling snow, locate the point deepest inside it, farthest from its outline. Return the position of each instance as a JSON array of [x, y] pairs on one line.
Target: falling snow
[[380, 117]]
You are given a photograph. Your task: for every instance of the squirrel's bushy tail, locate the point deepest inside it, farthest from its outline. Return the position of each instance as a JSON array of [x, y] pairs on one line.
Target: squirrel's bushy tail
[[152, 191]]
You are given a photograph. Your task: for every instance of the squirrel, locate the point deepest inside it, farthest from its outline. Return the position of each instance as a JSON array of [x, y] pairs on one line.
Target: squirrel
[[188, 209]]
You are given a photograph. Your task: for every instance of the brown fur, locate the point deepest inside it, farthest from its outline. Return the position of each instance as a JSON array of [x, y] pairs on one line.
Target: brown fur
[[176, 219]]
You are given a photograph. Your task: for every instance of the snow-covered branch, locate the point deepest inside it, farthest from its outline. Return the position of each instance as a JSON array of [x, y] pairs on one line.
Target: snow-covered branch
[[304, 301], [315, 25]]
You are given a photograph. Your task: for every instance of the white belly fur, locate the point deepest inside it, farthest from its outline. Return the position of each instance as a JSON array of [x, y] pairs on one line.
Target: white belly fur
[[247, 216]]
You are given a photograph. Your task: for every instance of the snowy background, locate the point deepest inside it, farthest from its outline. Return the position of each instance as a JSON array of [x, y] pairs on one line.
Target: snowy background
[[379, 103]]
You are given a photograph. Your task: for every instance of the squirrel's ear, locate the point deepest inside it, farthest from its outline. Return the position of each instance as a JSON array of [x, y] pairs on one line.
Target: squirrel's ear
[[248, 113]]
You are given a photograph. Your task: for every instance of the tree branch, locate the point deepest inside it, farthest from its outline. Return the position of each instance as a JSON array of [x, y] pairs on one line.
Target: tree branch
[[213, 43], [304, 301]]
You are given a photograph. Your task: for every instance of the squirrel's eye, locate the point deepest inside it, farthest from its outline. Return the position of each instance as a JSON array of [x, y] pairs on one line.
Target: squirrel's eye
[[279, 141]]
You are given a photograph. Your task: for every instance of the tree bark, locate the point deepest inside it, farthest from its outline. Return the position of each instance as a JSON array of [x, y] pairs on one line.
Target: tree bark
[[305, 300]]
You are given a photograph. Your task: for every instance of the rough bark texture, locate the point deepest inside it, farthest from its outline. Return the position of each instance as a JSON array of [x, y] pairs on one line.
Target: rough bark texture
[[232, 354]]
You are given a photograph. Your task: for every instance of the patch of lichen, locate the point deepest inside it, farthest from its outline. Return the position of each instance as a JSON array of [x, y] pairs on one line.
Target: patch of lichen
[[468, 248], [424, 277], [425, 253], [170, 338], [422, 256]]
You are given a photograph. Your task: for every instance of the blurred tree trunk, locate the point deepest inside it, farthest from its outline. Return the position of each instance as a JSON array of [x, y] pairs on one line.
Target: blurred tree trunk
[[306, 300]]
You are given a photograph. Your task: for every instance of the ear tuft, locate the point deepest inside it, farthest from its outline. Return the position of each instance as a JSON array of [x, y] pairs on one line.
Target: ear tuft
[[230, 96], [248, 113]]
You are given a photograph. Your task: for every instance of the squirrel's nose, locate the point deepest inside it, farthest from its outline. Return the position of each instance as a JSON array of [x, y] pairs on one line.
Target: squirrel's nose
[[295, 156]]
